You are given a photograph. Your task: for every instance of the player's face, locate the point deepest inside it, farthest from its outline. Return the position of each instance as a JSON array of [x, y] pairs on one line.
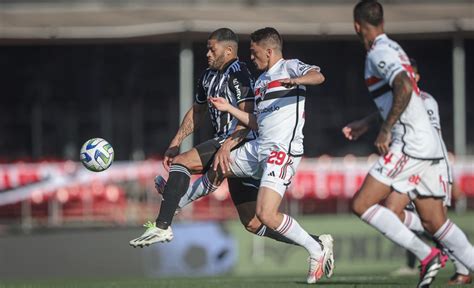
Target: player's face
[[259, 56], [215, 54]]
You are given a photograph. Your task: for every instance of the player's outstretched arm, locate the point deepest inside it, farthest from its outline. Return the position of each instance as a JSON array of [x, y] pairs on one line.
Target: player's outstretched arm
[[248, 119], [355, 129], [312, 77], [402, 90], [189, 124]]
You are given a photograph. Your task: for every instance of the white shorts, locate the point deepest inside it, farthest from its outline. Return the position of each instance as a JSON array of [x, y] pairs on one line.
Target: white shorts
[[446, 180], [408, 175], [274, 167]]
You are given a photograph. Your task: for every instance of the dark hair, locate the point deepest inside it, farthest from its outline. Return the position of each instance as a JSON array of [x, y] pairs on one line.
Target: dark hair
[[369, 11], [267, 34], [224, 34], [414, 65]]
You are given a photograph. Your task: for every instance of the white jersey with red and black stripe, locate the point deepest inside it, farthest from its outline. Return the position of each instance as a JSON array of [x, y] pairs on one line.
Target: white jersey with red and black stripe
[[280, 110], [413, 133]]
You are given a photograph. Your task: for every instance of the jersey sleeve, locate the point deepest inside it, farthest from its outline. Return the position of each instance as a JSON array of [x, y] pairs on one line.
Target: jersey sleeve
[[241, 84], [385, 62], [431, 107], [200, 97], [299, 68]]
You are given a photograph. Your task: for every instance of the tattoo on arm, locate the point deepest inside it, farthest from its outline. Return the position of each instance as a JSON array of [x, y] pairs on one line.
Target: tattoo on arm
[[190, 122], [402, 90]]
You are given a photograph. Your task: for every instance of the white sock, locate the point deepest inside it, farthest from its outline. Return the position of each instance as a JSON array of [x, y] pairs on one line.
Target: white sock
[[390, 225], [460, 268], [451, 237], [201, 187], [293, 231], [413, 221]]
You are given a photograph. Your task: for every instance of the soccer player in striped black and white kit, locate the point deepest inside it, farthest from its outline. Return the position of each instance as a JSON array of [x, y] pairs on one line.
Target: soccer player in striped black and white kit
[[229, 78], [410, 151]]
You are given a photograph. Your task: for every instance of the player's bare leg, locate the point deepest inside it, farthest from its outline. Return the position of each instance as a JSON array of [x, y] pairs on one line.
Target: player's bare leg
[[366, 206], [397, 203], [320, 255], [434, 220]]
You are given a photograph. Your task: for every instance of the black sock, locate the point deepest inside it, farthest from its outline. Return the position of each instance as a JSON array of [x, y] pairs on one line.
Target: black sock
[[176, 187], [270, 233]]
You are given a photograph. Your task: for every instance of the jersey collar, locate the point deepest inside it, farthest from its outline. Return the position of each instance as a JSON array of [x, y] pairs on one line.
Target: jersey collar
[[378, 38], [226, 66], [274, 67]]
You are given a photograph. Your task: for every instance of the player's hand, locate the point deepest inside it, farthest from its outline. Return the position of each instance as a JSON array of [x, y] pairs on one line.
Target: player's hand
[[355, 129], [170, 153], [222, 159], [383, 140], [288, 82], [219, 103]]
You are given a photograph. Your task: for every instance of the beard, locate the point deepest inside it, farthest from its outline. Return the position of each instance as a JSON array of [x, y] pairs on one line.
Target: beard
[[217, 63]]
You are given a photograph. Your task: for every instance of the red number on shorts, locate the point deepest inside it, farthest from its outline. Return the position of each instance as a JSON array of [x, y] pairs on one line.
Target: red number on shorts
[[276, 157]]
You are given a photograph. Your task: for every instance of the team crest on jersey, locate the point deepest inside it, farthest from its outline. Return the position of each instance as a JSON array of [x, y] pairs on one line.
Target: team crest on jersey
[[260, 92]]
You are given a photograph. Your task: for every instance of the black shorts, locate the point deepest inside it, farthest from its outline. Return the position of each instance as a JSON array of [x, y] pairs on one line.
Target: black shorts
[[241, 190], [207, 150]]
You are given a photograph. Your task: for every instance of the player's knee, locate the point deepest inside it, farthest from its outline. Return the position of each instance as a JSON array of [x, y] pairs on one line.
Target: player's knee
[[359, 206], [265, 216], [252, 225], [395, 209], [183, 160], [179, 159], [248, 220], [431, 225]]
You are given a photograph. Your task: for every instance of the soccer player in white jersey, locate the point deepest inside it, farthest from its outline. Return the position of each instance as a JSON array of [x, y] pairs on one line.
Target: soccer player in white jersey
[[398, 201], [410, 151], [279, 119]]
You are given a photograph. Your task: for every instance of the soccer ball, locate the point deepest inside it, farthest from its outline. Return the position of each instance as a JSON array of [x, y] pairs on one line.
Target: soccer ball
[[97, 154]]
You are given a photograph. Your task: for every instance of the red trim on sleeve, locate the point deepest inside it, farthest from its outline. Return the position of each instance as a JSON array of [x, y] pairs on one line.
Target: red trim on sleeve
[[372, 80]]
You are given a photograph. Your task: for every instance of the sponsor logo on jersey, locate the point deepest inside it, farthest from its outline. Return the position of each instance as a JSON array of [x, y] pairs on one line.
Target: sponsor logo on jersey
[[268, 109], [238, 93]]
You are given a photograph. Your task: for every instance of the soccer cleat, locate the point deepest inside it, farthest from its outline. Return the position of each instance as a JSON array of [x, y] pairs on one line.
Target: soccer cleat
[[325, 264], [430, 266], [152, 235], [160, 184], [316, 270], [328, 254], [460, 279]]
